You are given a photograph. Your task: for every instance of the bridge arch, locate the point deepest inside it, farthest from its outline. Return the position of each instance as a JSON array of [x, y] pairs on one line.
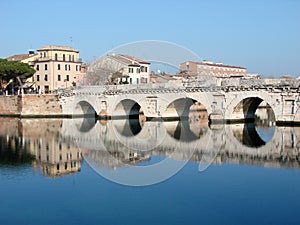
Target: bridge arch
[[244, 105], [127, 108], [85, 109], [183, 106]]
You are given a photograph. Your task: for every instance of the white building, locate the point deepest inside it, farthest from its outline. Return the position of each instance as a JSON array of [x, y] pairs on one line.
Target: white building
[[121, 69]]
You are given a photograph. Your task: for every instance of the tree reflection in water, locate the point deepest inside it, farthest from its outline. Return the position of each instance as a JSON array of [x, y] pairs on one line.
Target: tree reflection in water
[[14, 152]]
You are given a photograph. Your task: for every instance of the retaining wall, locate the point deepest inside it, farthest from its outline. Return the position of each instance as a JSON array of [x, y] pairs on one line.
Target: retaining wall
[[31, 106]]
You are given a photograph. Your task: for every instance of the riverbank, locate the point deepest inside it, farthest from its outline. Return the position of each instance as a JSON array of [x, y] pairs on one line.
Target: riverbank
[[31, 106]]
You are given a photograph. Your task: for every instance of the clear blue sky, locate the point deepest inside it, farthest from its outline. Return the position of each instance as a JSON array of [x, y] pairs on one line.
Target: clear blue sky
[[261, 35]]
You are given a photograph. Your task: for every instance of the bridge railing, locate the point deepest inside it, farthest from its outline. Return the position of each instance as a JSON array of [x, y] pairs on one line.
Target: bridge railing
[[213, 84]]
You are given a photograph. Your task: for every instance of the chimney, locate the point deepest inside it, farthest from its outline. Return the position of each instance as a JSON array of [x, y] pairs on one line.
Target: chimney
[[31, 52]]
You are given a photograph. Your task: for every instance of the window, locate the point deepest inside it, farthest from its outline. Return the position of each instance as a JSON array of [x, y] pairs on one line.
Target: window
[[46, 67], [64, 57], [58, 77], [58, 66], [130, 70], [69, 67], [76, 67], [41, 55], [32, 79], [47, 89], [37, 67], [37, 77], [146, 69], [70, 58], [66, 67], [67, 77], [46, 77], [138, 70], [45, 54], [55, 56]]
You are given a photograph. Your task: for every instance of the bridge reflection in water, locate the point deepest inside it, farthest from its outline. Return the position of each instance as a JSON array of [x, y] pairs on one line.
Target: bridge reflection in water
[[119, 143], [57, 146]]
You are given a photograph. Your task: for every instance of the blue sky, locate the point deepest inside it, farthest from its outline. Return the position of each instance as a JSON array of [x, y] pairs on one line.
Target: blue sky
[[261, 35]]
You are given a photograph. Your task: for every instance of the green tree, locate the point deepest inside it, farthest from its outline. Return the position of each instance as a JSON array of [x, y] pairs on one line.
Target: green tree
[[12, 71]]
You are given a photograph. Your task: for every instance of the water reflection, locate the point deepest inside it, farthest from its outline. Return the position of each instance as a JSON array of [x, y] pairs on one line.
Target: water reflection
[[57, 146], [129, 128], [253, 135], [41, 143], [86, 124], [258, 133], [14, 152]]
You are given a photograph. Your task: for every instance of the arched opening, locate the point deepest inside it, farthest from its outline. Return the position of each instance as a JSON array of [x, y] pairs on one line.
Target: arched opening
[[249, 108], [128, 109], [131, 111], [84, 109], [186, 109], [260, 122], [192, 116]]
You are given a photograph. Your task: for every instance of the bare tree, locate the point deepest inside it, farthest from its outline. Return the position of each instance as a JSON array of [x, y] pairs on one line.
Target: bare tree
[[106, 70]]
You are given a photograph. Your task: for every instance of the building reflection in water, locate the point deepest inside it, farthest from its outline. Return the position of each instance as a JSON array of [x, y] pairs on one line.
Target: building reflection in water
[[57, 146], [42, 143]]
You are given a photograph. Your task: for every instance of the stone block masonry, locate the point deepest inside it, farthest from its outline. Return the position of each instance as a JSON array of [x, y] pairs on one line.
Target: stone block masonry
[[31, 106], [9, 106]]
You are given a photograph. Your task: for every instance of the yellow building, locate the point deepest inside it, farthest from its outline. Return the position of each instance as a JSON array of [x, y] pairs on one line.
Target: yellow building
[[56, 67]]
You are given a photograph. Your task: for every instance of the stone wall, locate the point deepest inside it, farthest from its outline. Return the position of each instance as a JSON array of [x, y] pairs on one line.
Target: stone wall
[[40, 105], [9, 105], [31, 106]]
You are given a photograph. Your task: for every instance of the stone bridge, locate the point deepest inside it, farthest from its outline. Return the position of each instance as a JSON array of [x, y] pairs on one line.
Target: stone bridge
[[225, 100]]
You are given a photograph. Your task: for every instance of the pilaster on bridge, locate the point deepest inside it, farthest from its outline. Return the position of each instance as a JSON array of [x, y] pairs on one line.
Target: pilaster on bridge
[[224, 100]]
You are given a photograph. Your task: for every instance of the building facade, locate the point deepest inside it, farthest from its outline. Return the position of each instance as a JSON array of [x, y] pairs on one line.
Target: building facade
[[206, 68], [121, 69], [56, 67]]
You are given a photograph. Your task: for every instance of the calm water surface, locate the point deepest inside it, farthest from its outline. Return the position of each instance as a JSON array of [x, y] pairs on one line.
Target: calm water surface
[[49, 172]]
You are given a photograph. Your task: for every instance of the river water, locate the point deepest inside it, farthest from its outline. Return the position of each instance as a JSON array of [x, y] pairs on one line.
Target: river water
[[83, 171]]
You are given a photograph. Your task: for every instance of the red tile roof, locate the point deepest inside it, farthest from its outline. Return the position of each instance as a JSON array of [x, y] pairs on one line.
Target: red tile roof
[[217, 65]]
